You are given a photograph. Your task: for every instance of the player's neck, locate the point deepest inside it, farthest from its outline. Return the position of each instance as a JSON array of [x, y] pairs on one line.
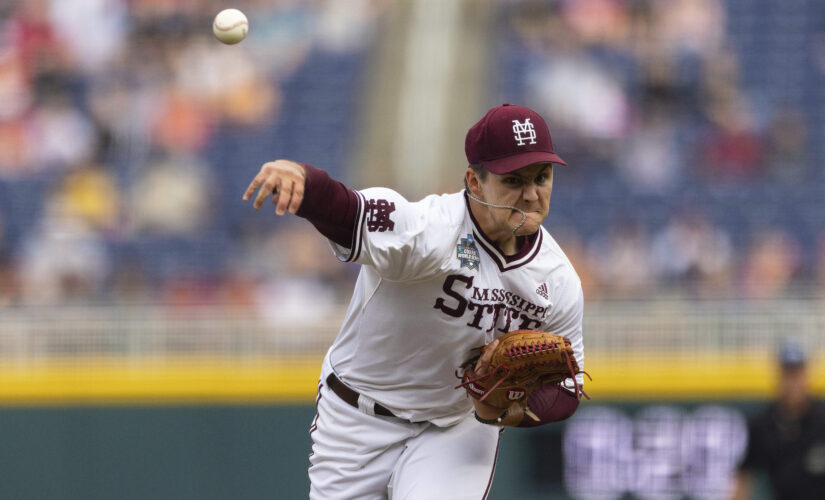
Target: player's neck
[[795, 409], [510, 245]]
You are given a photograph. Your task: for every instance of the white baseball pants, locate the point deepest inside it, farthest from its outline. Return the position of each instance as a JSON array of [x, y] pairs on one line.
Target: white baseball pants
[[361, 456]]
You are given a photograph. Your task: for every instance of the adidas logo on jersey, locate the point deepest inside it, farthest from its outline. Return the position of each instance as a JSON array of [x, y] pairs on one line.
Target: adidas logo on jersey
[[542, 290]]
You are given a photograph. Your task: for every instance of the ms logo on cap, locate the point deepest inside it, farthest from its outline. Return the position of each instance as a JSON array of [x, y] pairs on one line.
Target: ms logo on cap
[[490, 141], [524, 131]]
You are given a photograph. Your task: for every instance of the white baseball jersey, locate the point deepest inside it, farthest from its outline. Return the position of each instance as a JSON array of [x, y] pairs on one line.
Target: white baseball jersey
[[431, 288]]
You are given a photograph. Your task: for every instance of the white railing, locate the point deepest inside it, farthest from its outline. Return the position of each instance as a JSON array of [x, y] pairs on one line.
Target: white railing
[[656, 325], [664, 324], [152, 330]]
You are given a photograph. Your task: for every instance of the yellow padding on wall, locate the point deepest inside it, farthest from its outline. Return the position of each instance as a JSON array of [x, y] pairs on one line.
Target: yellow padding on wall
[[198, 380], [705, 375], [169, 380]]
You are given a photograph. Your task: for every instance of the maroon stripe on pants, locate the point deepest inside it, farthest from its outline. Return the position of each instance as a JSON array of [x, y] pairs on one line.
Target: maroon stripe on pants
[[314, 425], [493, 472]]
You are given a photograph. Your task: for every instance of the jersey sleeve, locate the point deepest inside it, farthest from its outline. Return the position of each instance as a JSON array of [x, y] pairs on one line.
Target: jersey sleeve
[[567, 315], [401, 240]]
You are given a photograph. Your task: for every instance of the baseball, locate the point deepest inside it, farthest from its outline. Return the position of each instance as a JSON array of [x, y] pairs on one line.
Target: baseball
[[230, 26]]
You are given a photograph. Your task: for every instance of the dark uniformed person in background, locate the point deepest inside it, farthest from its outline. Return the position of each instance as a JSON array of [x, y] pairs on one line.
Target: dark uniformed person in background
[[786, 441]]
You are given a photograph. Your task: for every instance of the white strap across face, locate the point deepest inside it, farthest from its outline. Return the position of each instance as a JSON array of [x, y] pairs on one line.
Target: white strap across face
[[523, 215]]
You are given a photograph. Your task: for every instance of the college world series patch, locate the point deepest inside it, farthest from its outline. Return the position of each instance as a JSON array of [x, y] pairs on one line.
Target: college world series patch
[[467, 253]]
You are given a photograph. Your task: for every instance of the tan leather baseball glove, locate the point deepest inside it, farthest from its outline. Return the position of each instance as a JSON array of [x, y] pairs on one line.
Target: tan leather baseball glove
[[523, 361]]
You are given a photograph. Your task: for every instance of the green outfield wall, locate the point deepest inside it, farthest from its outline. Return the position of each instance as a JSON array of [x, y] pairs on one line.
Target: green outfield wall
[[260, 451]]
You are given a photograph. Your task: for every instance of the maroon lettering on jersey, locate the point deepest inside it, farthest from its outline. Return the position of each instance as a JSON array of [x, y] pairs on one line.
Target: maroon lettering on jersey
[[461, 302], [489, 308], [378, 216], [479, 314]]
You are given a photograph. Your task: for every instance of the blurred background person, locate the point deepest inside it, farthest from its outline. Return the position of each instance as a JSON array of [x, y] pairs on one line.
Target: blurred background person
[[786, 442]]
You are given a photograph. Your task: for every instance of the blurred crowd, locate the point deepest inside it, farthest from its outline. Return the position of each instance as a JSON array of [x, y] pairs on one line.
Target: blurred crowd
[[119, 125], [702, 175], [119, 147]]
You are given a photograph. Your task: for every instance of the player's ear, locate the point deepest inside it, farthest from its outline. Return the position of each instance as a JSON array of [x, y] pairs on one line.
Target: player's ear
[[472, 181]]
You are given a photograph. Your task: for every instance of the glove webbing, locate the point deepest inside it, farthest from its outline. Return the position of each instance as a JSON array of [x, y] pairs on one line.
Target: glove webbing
[[469, 380]]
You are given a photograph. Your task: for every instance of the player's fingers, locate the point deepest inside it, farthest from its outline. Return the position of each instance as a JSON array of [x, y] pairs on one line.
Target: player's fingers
[[483, 363], [268, 187], [284, 195], [257, 181], [297, 197]]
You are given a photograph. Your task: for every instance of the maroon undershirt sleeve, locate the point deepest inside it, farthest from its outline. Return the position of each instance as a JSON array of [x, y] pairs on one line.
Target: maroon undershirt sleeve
[[329, 205], [550, 403]]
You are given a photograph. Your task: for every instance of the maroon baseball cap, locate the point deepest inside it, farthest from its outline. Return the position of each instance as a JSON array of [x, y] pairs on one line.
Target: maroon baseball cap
[[508, 138]]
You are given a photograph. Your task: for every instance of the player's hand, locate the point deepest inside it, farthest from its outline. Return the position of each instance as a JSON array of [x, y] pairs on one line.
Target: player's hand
[[284, 180], [515, 413], [483, 364]]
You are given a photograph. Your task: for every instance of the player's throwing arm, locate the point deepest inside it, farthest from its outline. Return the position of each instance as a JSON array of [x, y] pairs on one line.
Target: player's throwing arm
[[284, 180]]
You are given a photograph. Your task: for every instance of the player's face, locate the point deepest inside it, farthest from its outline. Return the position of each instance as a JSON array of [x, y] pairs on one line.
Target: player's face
[[794, 386], [528, 189]]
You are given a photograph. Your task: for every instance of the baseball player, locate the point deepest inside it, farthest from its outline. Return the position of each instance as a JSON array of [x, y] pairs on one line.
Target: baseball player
[[439, 278]]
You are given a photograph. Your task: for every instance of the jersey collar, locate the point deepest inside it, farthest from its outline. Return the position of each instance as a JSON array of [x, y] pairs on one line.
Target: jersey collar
[[527, 252]]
